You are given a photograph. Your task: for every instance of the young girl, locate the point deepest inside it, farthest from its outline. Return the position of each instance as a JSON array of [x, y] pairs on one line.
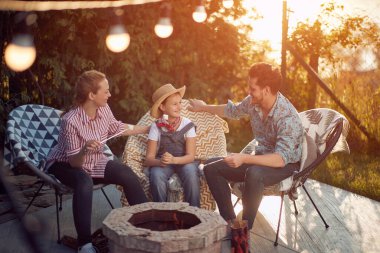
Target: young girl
[[78, 160], [171, 146]]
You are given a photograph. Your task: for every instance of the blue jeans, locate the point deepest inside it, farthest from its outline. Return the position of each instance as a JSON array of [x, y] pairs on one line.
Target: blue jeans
[[82, 183], [255, 178], [189, 175]]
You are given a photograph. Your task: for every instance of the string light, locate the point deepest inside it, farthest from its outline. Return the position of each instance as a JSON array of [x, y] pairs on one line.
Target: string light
[[199, 14], [20, 54], [118, 39], [164, 27], [228, 3], [16, 5]]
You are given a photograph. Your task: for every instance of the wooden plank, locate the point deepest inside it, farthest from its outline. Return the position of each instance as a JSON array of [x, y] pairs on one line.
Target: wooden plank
[[354, 224], [12, 241]]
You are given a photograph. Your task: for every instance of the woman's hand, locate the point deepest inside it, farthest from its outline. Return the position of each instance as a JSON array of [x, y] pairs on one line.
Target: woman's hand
[[91, 145]]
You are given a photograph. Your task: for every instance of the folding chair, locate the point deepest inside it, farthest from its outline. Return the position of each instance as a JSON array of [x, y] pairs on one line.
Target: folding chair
[[325, 132], [211, 142], [32, 130]]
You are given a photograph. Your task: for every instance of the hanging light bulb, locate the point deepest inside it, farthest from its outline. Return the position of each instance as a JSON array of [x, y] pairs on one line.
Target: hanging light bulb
[[118, 39], [228, 3], [199, 14], [20, 54], [164, 27]]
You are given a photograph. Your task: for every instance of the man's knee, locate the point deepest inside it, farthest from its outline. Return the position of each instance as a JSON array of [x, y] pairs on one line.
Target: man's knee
[[255, 173]]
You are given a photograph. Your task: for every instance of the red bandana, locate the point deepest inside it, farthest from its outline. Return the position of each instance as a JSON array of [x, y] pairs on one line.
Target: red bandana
[[171, 127]]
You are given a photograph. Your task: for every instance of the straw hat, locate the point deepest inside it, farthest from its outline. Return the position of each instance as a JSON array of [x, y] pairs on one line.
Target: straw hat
[[161, 94]]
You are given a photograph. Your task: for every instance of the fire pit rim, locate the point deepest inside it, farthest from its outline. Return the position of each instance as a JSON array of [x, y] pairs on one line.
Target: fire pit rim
[[203, 234]]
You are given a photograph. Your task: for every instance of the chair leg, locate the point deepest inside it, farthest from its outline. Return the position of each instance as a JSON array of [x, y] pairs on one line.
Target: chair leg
[[279, 219], [236, 202], [57, 214], [295, 208], [105, 195], [34, 197], [316, 208]]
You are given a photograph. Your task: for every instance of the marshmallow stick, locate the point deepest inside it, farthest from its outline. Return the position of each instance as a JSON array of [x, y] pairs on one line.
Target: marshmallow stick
[[201, 166], [115, 135]]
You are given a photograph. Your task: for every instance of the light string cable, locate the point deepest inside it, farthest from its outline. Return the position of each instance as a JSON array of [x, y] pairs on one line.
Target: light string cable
[[15, 5]]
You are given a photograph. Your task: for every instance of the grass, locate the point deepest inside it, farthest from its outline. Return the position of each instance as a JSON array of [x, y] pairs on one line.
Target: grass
[[355, 172]]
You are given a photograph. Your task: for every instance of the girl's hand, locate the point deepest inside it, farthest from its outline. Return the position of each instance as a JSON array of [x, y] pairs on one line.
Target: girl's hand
[[167, 158]]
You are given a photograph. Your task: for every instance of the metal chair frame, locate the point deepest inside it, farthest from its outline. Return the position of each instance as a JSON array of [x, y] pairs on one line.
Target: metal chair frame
[[300, 178], [48, 179]]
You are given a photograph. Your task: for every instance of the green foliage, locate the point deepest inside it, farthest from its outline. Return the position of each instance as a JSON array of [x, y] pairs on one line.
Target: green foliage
[[205, 57], [334, 46], [355, 172]]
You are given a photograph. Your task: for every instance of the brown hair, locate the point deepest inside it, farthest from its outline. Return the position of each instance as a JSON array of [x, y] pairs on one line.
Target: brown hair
[[267, 75], [86, 83]]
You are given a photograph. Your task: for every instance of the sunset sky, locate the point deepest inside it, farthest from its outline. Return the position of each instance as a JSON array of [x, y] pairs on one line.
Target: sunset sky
[[269, 27]]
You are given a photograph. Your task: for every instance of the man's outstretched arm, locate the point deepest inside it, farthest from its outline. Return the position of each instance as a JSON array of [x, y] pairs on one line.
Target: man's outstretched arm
[[197, 105]]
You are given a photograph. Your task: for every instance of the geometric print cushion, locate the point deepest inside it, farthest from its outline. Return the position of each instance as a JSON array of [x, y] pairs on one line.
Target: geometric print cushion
[[211, 142], [318, 124], [211, 129], [32, 130]]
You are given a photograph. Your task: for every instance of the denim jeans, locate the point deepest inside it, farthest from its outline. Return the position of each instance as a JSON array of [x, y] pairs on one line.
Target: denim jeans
[[82, 184], [189, 175], [255, 178]]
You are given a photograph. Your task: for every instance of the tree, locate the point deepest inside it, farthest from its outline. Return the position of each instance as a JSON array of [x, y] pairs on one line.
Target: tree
[[205, 57], [334, 46]]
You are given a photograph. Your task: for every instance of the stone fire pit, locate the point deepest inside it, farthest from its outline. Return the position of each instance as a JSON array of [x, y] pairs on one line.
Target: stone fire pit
[[164, 227]]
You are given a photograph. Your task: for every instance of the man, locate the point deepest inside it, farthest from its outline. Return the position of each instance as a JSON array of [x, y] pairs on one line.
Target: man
[[278, 130]]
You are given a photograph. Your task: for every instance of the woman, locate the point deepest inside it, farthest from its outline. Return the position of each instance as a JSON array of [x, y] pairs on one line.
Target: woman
[[78, 159]]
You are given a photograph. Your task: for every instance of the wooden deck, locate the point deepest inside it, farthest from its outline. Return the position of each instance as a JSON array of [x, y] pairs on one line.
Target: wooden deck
[[354, 224]]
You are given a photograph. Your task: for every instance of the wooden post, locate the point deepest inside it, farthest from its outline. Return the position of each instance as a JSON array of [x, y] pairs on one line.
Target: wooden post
[[285, 87]]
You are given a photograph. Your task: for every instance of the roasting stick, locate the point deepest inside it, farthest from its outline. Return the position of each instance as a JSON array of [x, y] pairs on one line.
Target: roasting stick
[[201, 166], [129, 127], [113, 136]]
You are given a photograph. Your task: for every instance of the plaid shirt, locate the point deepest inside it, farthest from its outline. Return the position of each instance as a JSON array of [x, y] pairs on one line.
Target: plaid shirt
[[281, 132], [76, 129]]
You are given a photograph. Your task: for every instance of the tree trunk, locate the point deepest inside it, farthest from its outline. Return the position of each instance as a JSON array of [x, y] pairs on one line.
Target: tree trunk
[[312, 96]]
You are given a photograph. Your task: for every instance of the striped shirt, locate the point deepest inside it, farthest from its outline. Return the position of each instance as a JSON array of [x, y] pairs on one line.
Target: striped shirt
[[76, 129]]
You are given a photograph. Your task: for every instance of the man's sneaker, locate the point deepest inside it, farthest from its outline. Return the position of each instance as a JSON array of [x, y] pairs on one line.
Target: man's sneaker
[[87, 248]]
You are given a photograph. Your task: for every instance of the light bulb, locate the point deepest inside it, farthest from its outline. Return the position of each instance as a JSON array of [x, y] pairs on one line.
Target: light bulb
[[20, 54], [118, 39], [228, 3], [199, 15], [164, 27]]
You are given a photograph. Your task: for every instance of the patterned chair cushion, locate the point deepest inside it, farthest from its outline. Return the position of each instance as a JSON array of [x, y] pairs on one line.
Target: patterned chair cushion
[[211, 142], [32, 130], [318, 124]]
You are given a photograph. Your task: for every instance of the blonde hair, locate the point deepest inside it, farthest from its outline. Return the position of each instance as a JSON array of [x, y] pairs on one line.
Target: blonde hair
[[86, 83]]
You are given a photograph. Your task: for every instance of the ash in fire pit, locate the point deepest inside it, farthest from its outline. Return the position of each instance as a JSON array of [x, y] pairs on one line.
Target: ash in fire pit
[[164, 227], [164, 220]]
